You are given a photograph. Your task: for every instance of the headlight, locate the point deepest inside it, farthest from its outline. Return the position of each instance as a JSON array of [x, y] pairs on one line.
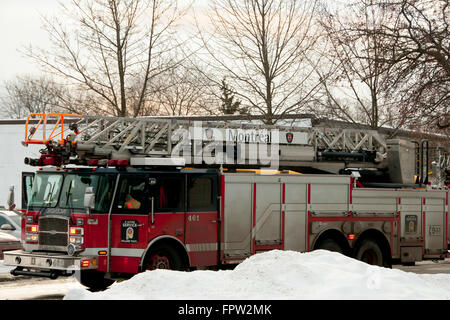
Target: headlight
[[32, 237], [76, 240]]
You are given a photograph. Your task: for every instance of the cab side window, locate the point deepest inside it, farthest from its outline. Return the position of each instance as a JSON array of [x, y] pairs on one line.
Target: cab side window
[[168, 194], [104, 192], [201, 191], [130, 194]]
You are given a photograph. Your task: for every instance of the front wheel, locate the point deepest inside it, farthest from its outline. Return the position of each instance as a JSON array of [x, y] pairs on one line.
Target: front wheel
[[163, 257], [94, 280]]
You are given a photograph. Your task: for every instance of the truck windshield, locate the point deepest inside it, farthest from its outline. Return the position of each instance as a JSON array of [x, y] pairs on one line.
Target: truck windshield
[[74, 187], [70, 188], [45, 191]]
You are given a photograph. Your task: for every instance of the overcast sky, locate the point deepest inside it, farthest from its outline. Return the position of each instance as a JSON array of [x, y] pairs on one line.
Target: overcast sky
[[20, 25]]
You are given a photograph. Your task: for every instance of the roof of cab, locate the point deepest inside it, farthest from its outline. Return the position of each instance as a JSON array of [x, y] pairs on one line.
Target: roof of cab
[[83, 169]]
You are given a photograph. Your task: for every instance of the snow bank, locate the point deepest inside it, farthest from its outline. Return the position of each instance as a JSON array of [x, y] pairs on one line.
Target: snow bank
[[279, 275]]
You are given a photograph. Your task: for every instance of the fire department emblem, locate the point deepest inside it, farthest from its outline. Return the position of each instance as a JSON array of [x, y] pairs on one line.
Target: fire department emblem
[[209, 133], [289, 137], [410, 223], [129, 232]]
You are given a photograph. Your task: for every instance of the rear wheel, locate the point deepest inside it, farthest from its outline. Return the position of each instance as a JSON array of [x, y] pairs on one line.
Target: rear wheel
[[163, 257], [94, 280], [370, 252]]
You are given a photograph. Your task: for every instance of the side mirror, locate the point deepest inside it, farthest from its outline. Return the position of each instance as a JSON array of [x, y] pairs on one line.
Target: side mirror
[[7, 227], [89, 199], [10, 201]]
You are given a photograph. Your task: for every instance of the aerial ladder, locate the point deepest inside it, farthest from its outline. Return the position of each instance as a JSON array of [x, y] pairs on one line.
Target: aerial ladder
[[104, 140]]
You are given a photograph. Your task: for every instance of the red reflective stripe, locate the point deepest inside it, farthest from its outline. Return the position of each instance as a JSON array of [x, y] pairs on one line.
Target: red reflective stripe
[[129, 205]]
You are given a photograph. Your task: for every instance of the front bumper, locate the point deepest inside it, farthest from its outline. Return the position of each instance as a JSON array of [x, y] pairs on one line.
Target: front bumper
[[44, 261]]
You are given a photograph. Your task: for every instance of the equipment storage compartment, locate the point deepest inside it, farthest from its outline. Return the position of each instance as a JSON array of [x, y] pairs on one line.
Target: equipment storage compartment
[[237, 216], [434, 222], [264, 212], [329, 195]]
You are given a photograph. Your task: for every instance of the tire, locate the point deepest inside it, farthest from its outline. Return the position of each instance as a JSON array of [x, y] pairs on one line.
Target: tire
[[370, 252], [94, 280], [330, 245], [163, 257]]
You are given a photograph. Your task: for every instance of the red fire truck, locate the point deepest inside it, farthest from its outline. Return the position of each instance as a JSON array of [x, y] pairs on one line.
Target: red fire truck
[[109, 200]]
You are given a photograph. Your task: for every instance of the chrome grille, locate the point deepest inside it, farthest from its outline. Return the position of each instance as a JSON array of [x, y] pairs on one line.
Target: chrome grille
[[53, 231], [48, 239], [53, 224]]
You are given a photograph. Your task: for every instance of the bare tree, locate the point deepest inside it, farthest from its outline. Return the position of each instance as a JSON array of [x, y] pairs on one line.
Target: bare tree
[[26, 94], [419, 58], [112, 48], [357, 90], [182, 91], [31, 94], [264, 49]]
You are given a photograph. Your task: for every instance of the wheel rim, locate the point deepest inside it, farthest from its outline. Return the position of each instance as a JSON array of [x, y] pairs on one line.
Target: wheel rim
[[370, 257], [158, 261]]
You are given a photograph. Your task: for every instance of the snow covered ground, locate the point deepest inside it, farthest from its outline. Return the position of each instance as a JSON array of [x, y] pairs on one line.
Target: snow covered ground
[[278, 275]]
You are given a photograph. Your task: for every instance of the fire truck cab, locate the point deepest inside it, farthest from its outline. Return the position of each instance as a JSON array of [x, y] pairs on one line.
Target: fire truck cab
[[135, 219]]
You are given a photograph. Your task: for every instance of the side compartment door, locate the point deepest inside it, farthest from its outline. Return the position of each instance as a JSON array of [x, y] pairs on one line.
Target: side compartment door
[[267, 216], [129, 222], [411, 215], [202, 219], [434, 231], [237, 214], [295, 194]]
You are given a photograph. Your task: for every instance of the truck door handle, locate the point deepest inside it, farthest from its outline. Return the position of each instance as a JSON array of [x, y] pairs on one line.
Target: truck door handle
[[153, 211]]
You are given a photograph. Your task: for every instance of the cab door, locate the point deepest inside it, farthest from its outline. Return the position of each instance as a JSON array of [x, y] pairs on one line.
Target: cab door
[[166, 199], [129, 223], [202, 219], [27, 185]]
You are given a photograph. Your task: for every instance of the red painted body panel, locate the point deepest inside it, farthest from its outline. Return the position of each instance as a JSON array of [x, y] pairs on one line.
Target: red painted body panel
[[125, 264], [95, 229], [166, 223], [201, 237]]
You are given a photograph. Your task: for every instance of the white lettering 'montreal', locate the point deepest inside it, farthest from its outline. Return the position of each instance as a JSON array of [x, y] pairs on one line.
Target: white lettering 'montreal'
[[206, 145]]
